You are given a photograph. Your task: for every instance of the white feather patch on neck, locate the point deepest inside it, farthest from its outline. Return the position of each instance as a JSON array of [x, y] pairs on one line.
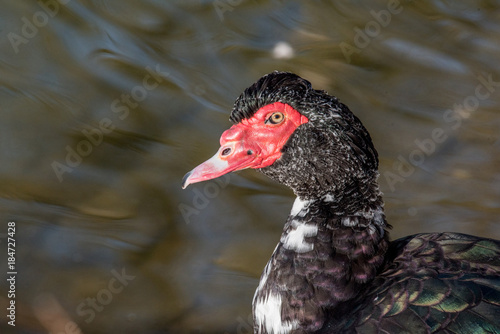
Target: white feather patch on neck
[[295, 239], [300, 207]]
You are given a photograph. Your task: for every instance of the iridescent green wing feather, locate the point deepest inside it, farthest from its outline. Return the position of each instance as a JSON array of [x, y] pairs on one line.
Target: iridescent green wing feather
[[436, 283]]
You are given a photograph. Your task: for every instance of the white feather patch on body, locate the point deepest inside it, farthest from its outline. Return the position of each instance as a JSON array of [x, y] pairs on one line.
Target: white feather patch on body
[[349, 221], [265, 275], [295, 239], [267, 312]]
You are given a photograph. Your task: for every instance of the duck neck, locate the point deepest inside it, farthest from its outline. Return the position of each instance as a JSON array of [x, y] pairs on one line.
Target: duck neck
[[328, 252]]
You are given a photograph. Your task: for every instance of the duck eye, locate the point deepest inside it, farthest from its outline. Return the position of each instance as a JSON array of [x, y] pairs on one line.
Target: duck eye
[[275, 118]]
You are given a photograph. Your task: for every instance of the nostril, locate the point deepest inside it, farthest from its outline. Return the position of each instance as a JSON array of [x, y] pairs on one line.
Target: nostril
[[226, 151]]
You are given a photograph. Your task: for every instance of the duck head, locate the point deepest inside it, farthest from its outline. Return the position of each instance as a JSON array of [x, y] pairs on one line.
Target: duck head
[[298, 136]]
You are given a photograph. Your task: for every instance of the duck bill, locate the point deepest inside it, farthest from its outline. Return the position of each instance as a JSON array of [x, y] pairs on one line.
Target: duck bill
[[219, 165]]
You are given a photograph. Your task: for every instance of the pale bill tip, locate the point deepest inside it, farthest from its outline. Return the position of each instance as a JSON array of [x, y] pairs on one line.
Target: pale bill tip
[[185, 180]]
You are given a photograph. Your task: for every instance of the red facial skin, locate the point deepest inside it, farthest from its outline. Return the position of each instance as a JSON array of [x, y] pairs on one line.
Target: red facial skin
[[252, 143]]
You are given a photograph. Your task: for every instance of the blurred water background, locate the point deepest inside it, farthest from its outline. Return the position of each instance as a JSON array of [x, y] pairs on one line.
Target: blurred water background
[[105, 105]]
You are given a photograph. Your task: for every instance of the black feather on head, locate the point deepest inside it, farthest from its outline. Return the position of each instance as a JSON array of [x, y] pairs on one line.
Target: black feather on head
[[274, 87]]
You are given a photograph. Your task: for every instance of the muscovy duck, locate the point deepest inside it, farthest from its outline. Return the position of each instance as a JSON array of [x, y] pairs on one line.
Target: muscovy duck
[[334, 269]]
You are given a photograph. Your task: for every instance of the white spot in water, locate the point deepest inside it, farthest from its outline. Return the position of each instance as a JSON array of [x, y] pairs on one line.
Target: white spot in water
[[267, 312], [295, 241], [283, 50]]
